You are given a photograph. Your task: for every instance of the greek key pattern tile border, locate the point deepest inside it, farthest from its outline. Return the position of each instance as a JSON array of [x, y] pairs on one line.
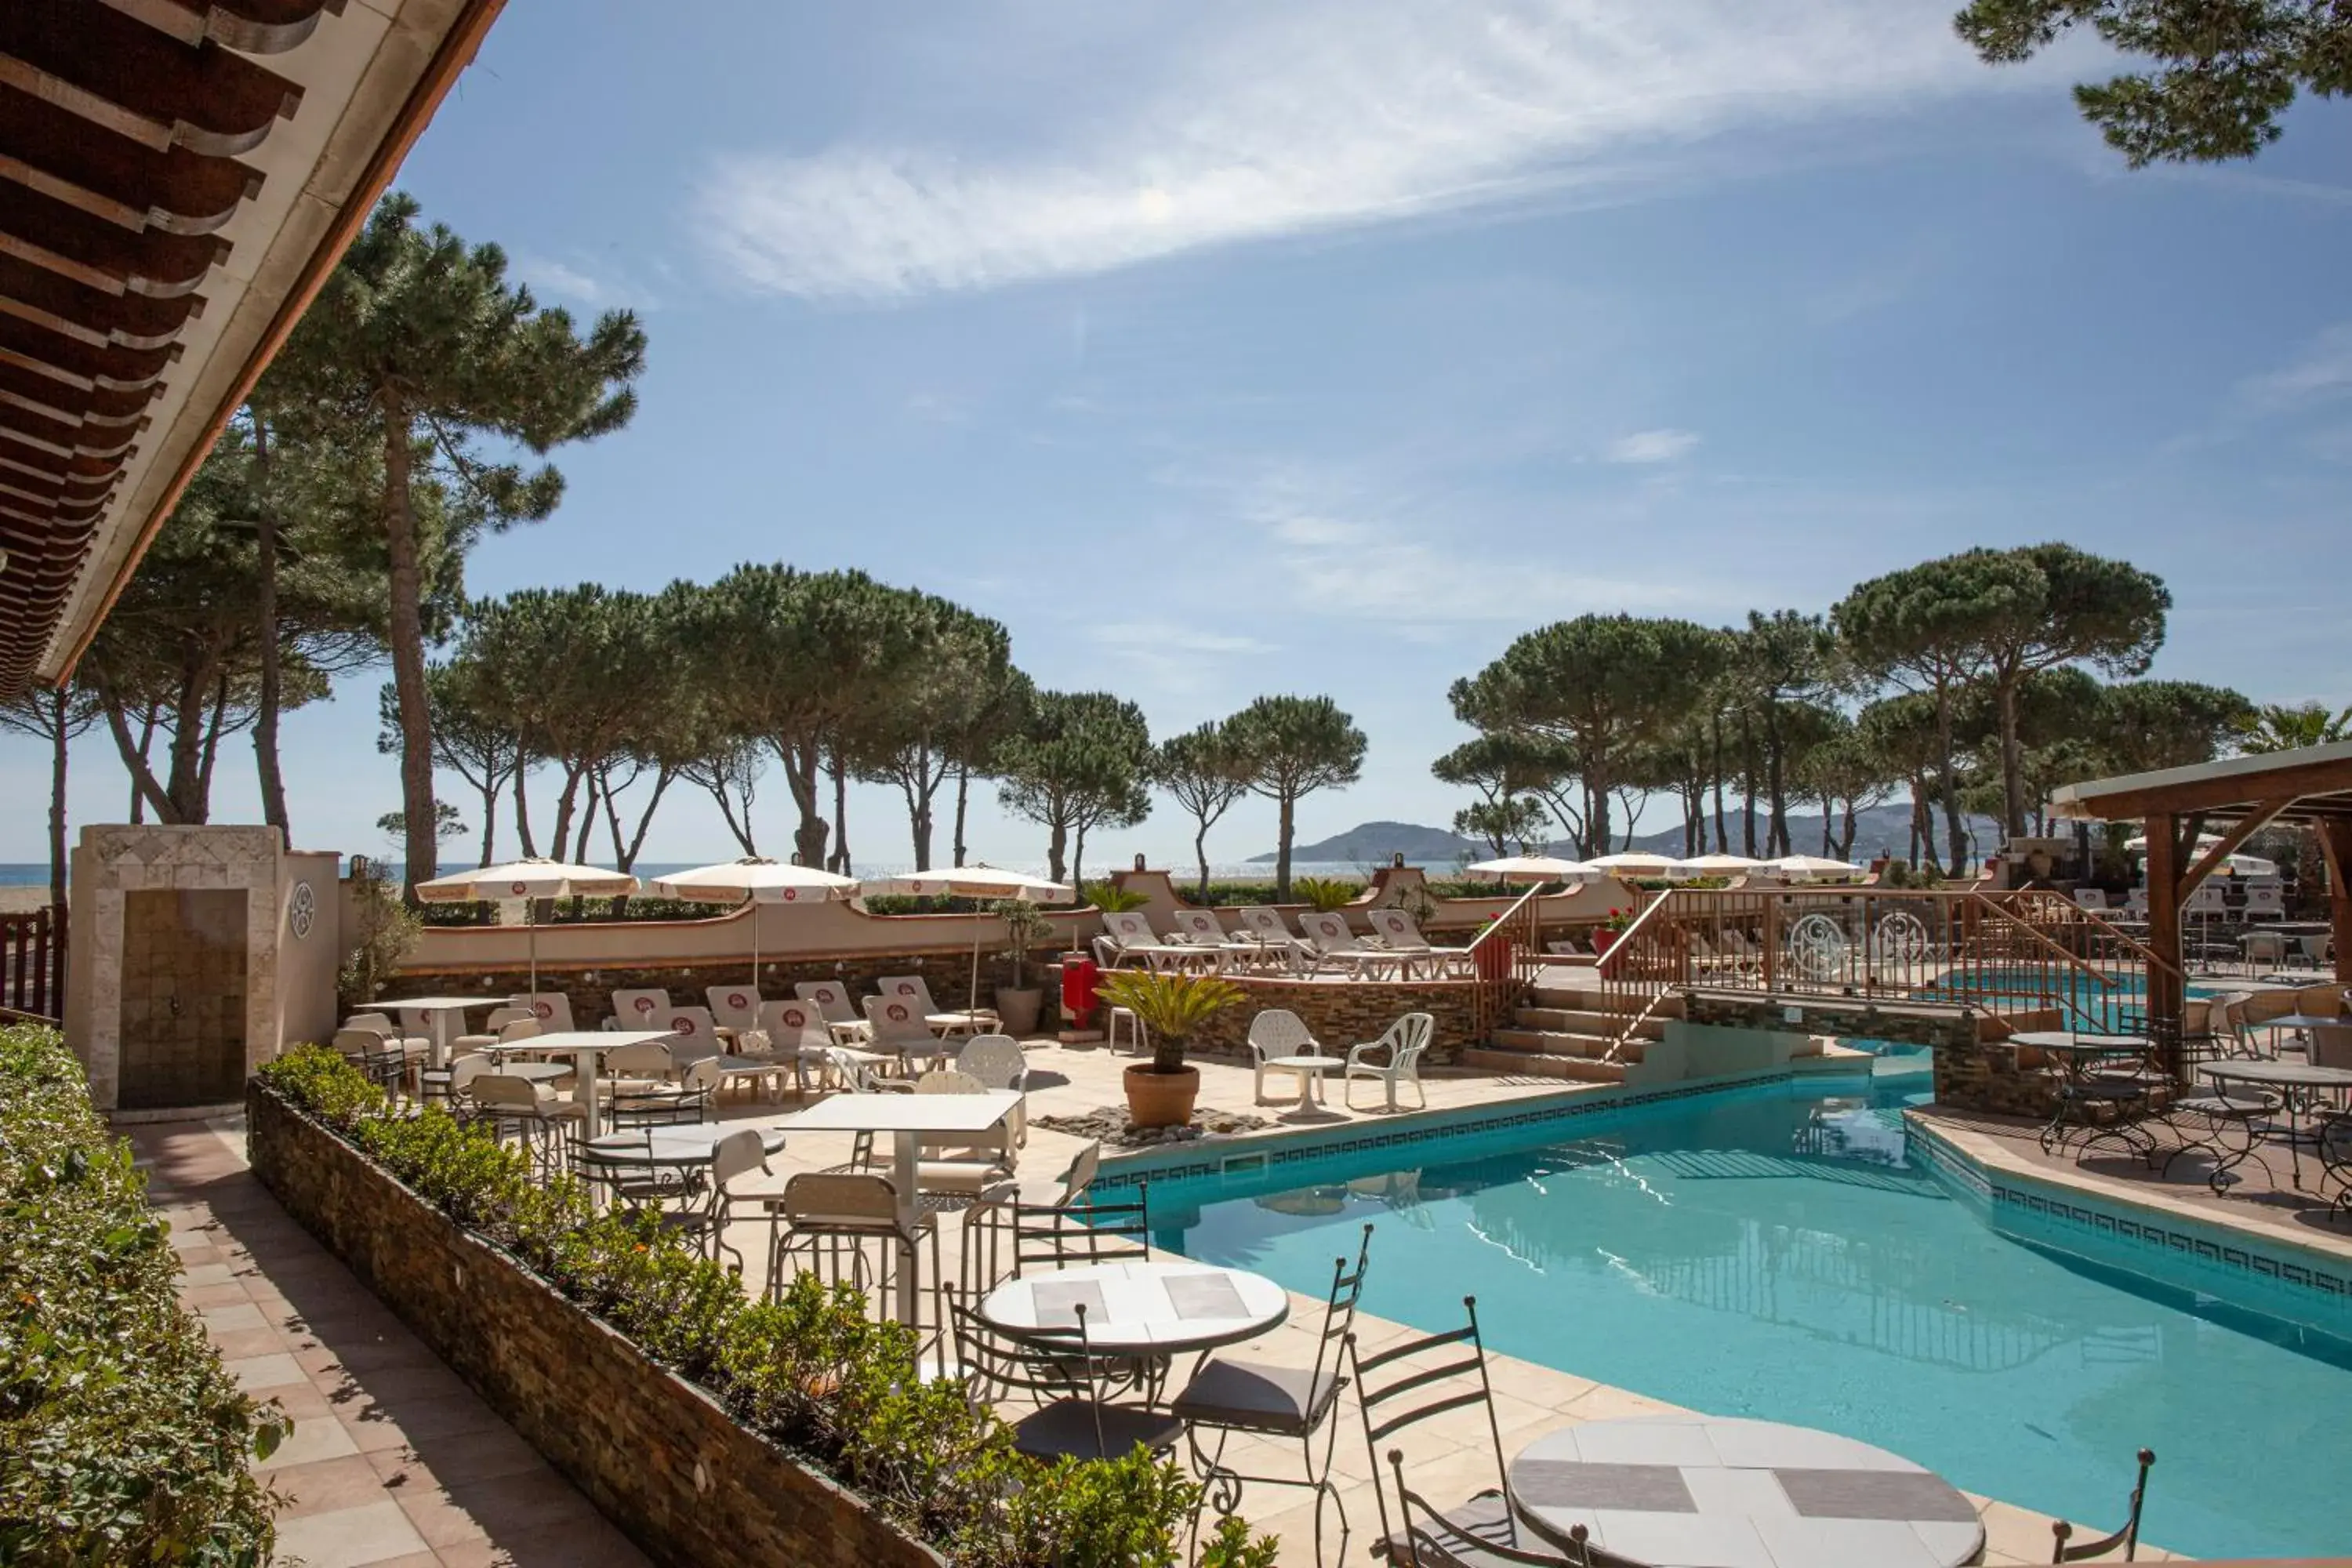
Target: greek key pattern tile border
[[2150, 1230], [1298, 1147]]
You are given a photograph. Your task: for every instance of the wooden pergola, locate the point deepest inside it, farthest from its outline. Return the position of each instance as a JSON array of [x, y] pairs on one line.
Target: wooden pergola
[[2232, 800]]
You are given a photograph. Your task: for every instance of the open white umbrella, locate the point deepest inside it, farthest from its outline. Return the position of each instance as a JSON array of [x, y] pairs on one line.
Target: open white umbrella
[[761, 882], [1717, 866], [1530, 869], [968, 882], [1634, 863], [529, 880], [1810, 866]]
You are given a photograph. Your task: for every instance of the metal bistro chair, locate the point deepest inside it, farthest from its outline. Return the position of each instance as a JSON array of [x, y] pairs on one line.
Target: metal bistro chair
[[737, 1154], [1396, 1389], [678, 1104], [380, 1057], [1228, 1396], [831, 1218], [2065, 1551], [1008, 1234], [1072, 1420], [446, 1086], [547, 1126]]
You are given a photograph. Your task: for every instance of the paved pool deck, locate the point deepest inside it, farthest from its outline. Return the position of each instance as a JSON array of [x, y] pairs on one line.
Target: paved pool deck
[[394, 1460]]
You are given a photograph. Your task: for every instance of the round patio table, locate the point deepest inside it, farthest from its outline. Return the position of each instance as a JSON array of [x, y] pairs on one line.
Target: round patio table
[[1310, 1070], [2077, 1053], [671, 1148], [1692, 1491], [2287, 1078], [1144, 1310]]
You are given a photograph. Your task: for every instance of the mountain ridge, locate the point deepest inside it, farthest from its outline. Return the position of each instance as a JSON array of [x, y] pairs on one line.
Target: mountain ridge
[[1878, 829]]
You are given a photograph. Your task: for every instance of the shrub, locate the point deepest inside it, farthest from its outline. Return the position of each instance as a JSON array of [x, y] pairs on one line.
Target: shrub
[[809, 1370], [1111, 898], [1327, 893], [121, 1439]]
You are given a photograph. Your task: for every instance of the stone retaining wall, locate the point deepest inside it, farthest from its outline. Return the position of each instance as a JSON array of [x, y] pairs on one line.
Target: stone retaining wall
[[1342, 1014], [657, 1455], [591, 989], [1970, 1071]]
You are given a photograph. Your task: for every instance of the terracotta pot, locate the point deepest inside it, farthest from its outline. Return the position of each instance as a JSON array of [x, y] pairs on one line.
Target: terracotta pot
[[1162, 1098], [1017, 1010]]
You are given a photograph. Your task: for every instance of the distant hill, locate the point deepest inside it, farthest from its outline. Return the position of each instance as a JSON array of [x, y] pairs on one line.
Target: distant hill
[[1880, 828], [1371, 844]]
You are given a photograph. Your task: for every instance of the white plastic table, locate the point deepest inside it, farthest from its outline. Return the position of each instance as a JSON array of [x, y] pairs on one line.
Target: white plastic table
[[911, 1119], [583, 1047], [1690, 1491], [445, 1017], [1141, 1308], [1309, 1070]]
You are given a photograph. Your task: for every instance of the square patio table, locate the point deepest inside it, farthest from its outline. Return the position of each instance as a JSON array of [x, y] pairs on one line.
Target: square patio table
[[444, 1017], [583, 1047]]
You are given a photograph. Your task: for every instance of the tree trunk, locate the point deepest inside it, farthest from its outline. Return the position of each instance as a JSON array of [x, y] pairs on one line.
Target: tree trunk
[[1776, 835], [523, 807], [265, 722], [2012, 760], [1077, 856], [1057, 843], [964, 796], [839, 862], [58, 701], [1201, 853], [1714, 766], [204, 798], [490, 814], [144, 790], [1747, 786], [405, 594], [800, 760], [1947, 781], [1598, 784], [1287, 808]]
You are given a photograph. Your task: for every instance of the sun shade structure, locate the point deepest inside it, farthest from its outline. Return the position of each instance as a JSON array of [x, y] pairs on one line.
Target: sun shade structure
[[1814, 866], [970, 882], [763, 881], [1634, 863], [177, 178], [2196, 818], [1530, 869], [1717, 866], [530, 880]]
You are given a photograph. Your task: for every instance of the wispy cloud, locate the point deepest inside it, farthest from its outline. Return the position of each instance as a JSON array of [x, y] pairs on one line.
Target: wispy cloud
[[2323, 370], [1167, 638], [562, 279], [1313, 116], [1652, 445]]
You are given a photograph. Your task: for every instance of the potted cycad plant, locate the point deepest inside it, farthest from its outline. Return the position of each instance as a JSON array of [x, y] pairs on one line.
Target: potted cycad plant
[[1172, 1008], [1018, 1004]]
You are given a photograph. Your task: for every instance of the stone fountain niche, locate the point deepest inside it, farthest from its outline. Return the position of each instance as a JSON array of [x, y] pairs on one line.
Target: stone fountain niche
[[198, 952]]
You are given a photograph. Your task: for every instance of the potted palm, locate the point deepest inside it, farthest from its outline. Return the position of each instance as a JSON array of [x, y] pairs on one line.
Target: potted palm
[[1018, 1004], [1172, 1008]]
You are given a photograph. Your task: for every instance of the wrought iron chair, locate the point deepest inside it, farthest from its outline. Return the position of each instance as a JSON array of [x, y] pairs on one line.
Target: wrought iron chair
[[1073, 1419], [2067, 1550], [1230, 1395], [548, 1126], [671, 1104], [1398, 1388]]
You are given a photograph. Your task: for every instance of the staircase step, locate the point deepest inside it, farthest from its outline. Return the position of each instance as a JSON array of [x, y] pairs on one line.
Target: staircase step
[[1563, 1042], [1598, 1001], [1583, 1021], [1523, 1065]]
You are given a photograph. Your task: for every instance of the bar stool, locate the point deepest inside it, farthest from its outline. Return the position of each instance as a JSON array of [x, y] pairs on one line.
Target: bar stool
[[548, 1126], [830, 1216]]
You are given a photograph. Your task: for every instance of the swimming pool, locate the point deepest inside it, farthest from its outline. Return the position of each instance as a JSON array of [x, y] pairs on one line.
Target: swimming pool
[[1779, 1252]]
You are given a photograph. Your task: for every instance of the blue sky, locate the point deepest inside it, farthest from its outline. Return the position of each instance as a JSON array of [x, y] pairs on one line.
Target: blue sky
[[1221, 349]]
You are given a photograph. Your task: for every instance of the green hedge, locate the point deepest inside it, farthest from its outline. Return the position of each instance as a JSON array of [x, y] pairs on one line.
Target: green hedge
[[810, 1371], [122, 1441]]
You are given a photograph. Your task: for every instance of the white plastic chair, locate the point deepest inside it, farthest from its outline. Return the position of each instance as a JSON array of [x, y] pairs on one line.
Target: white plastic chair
[[735, 1006], [911, 988], [996, 1060], [1278, 1031], [1404, 1041], [796, 1034], [975, 1162]]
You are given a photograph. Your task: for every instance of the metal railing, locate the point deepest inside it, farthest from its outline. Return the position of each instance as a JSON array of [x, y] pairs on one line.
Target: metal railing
[[1506, 957], [2005, 953], [33, 962]]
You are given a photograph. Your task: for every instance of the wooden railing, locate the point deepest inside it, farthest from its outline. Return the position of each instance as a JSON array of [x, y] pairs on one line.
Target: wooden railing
[[2004, 953], [33, 962], [1506, 957]]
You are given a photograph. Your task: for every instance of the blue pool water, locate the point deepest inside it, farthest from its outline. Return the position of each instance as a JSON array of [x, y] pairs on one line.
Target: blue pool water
[[1777, 1253]]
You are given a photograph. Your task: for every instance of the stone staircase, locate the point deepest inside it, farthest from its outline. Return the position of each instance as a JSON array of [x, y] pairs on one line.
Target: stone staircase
[[1566, 1032]]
